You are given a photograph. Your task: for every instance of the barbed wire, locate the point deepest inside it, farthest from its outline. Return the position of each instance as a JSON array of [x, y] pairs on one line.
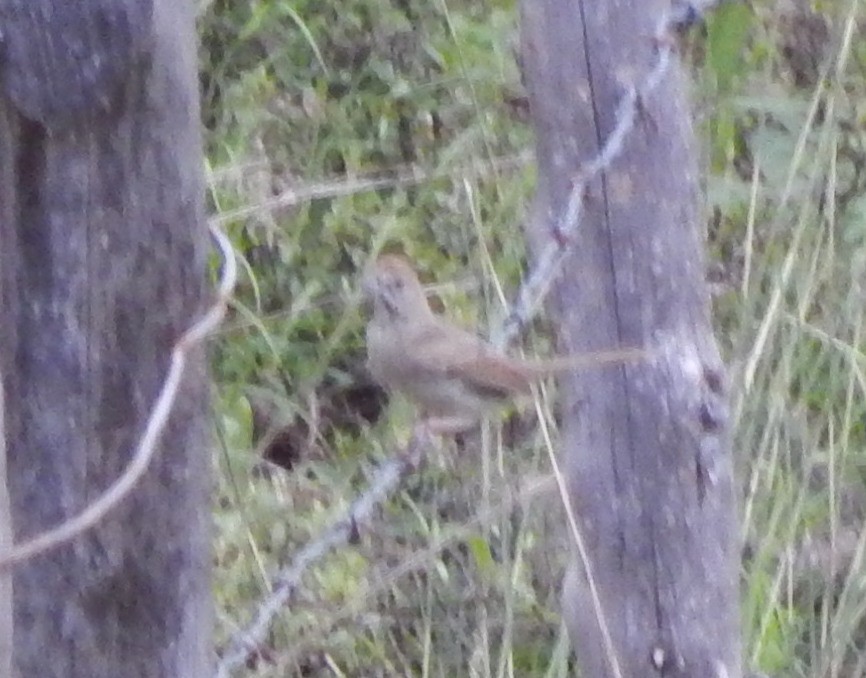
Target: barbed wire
[[156, 422], [247, 643], [681, 17]]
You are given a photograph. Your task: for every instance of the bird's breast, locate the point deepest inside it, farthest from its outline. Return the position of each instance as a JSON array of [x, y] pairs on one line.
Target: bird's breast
[[396, 361]]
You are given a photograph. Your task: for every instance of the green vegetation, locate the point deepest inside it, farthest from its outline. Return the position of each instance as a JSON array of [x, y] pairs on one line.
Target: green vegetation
[[338, 128]]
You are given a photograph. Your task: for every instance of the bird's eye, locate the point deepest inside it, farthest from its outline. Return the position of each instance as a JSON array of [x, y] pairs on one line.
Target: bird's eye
[[398, 283]]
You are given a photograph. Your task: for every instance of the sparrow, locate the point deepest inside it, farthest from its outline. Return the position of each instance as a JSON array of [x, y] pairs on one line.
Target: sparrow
[[453, 376]]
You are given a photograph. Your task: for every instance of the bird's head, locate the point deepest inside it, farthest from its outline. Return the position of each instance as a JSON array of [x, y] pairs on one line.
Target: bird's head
[[392, 285]]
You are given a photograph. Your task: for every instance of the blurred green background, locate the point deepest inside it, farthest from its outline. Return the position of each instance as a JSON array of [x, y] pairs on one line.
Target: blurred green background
[[336, 128]]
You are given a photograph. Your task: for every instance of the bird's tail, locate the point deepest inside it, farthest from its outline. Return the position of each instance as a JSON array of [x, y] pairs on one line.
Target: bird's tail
[[583, 361]]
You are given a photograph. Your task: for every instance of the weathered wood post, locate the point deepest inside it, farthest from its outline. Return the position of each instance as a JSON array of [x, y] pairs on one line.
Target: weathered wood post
[[102, 266], [646, 445]]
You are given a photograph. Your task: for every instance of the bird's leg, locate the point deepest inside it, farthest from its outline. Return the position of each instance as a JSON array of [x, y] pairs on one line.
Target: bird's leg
[[415, 453]]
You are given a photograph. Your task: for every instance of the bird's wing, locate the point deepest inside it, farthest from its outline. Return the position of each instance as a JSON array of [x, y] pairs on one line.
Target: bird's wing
[[448, 350]]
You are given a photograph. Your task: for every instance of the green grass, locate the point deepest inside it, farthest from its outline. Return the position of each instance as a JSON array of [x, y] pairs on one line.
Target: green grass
[[382, 124]]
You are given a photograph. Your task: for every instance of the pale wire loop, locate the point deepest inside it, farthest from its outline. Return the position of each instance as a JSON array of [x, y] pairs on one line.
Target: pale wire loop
[[247, 642], [154, 428]]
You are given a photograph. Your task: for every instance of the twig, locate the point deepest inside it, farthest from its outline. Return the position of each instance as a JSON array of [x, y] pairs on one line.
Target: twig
[[388, 478], [147, 445], [401, 177]]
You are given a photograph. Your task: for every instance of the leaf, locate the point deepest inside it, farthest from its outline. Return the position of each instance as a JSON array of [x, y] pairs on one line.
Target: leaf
[[854, 222], [727, 32], [789, 110], [237, 422], [480, 550]]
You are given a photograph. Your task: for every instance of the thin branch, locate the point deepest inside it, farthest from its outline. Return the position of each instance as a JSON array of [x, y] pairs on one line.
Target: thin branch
[[582, 552], [400, 177], [147, 445]]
